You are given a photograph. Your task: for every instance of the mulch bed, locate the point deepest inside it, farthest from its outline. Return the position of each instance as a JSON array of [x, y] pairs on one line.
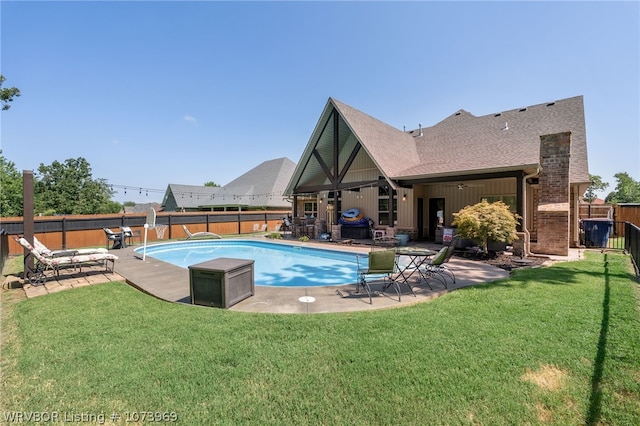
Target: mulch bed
[[503, 260]]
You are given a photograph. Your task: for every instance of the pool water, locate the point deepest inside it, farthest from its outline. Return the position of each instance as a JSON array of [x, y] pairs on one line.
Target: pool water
[[275, 264]]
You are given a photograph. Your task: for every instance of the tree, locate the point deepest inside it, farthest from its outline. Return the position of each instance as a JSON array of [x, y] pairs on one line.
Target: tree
[[596, 185], [10, 178], [69, 188], [211, 183], [7, 94], [10, 188], [627, 190], [484, 222]]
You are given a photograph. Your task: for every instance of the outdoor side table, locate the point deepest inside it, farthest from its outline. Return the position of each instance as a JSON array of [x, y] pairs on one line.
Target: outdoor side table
[[221, 282], [416, 257]]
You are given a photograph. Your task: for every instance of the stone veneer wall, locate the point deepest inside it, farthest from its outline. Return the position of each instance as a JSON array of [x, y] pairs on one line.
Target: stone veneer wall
[[553, 210]]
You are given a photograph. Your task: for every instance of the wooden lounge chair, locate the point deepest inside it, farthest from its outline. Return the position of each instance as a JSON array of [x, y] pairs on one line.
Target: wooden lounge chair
[[202, 234], [42, 264], [56, 253]]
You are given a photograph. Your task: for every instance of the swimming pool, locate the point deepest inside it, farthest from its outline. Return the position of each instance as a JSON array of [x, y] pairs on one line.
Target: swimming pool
[[275, 264]]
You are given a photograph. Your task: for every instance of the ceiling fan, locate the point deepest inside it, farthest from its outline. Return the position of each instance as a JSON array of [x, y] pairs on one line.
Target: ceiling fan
[[460, 186]]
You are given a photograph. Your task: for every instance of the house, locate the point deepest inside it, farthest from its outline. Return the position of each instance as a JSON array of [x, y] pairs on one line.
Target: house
[[142, 208], [533, 158], [261, 188]]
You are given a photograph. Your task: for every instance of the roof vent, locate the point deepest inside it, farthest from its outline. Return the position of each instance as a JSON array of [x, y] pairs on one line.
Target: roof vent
[[420, 127], [506, 126], [458, 113], [523, 109], [551, 104], [498, 114]]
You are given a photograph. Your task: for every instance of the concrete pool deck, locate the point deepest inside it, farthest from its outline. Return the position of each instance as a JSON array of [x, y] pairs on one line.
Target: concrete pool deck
[[171, 283]]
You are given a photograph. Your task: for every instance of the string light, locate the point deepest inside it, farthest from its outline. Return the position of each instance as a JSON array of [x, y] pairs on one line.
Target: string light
[[222, 194]]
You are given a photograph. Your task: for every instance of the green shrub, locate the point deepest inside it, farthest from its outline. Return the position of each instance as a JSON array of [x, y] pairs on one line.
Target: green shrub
[[484, 222]]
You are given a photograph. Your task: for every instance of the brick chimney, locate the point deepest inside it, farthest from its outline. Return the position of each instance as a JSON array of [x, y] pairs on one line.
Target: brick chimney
[[554, 197]]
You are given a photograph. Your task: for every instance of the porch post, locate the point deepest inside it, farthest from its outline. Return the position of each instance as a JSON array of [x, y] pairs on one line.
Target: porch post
[[295, 205], [391, 212], [520, 202]]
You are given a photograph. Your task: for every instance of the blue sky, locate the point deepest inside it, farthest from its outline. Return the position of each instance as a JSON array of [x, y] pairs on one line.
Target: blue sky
[[152, 93]]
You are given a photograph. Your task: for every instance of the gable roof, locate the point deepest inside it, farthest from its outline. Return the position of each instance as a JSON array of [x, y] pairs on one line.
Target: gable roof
[[461, 144], [261, 186], [390, 149], [387, 147], [189, 196]]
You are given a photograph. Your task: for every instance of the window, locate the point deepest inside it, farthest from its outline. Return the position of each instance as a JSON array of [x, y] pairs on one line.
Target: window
[[509, 200], [387, 216], [311, 208]]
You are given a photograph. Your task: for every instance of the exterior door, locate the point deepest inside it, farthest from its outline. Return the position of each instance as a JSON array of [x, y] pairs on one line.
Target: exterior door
[[436, 213], [420, 215]]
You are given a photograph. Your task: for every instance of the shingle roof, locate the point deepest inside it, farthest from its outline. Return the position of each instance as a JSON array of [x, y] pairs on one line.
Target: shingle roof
[[390, 149], [462, 144], [261, 186], [191, 196], [503, 141]]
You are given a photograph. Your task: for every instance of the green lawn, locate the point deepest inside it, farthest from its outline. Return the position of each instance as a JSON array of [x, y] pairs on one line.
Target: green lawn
[[555, 345]]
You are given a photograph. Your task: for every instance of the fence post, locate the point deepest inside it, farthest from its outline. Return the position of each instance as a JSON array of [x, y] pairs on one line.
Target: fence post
[[64, 232]]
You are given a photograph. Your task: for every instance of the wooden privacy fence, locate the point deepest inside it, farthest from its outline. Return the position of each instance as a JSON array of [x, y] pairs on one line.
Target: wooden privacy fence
[[627, 213], [596, 211], [65, 232], [620, 213]]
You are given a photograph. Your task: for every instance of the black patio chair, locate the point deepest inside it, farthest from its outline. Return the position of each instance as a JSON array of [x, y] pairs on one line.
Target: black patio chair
[[116, 237]]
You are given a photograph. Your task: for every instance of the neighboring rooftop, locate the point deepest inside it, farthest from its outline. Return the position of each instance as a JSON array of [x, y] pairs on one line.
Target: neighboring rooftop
[[263, 186]]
